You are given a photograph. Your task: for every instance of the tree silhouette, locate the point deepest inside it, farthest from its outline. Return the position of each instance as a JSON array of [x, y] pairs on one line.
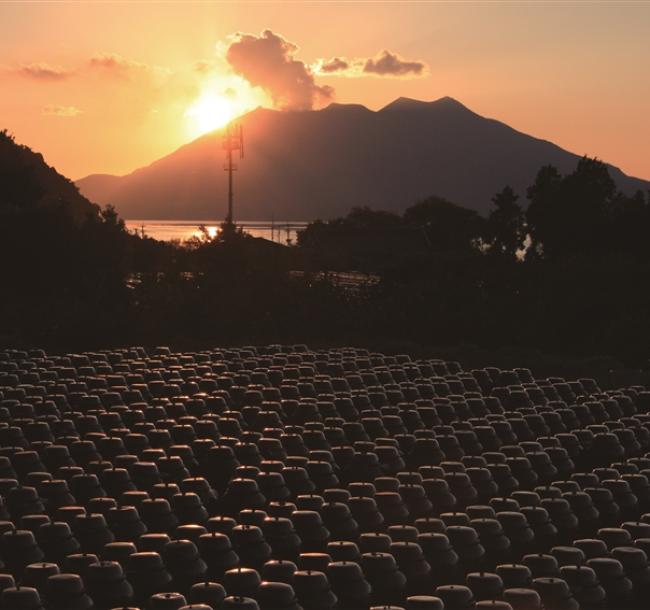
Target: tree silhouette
[[506, 224], [570, 214], [446, 225], [543, 196]]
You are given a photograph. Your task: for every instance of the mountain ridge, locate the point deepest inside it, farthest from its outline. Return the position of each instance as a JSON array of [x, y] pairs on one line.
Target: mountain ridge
[[318, 164], [29, 184]]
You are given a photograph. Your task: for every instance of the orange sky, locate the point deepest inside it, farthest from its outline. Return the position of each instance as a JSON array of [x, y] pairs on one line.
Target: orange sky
[[111, 86]]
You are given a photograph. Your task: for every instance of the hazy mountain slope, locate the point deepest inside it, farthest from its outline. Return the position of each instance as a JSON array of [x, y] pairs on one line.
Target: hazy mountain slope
[[304, 165], [105, 184]]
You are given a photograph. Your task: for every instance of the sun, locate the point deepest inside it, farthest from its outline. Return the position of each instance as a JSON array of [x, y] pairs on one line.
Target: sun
[[220, 98], [209, 112]]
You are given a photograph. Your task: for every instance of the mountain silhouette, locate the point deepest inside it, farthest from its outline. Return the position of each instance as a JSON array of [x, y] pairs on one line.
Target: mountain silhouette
[[319, 164], [29, 184]]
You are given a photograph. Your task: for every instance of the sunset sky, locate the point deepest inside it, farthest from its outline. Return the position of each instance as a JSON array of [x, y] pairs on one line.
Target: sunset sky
[[111, 86]]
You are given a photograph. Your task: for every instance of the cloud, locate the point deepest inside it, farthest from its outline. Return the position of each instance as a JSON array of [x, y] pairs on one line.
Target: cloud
[[108, 63], [115, 64], [336, 64], [384, 64], [62, 111], [268, 61], [43, 71], [391, 64]]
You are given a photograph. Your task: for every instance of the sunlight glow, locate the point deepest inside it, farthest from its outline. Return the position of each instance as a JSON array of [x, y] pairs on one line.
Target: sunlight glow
[[209, 112], [208, 231], [220, 99]]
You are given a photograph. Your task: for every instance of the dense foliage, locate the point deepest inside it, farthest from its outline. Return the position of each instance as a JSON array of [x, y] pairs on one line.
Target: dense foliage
[[568, 274], [563, 268]]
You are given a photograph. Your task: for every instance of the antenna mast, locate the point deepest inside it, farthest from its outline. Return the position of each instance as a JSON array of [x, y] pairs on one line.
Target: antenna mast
[[233, 140]]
